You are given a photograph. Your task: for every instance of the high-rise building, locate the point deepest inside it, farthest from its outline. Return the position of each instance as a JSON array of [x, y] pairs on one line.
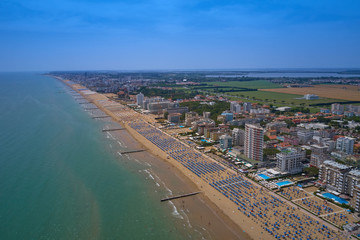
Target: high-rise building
[[289, 160], [254, 140], [140, 99], [238, 136], [345, 144], [225, 142], [337, 108], [235, 107], [333, 175], [247, 107], [352, 179]]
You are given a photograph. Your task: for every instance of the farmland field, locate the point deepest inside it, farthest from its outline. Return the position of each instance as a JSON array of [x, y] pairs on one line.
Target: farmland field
[[278, 98], [344, 92], [258, 84]]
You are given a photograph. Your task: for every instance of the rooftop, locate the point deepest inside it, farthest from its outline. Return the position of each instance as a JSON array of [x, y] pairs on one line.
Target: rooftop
[[337, 165], [355, 172]]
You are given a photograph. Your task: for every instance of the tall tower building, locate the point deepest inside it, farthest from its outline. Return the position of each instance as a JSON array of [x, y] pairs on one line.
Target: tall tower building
[[254, 140], [140, 99]]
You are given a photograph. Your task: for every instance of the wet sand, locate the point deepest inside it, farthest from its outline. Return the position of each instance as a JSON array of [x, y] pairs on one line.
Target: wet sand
[[199, 209]]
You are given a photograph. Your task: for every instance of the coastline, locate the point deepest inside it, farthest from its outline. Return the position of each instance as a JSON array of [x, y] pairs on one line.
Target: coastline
[[242, 205], [202, 211]]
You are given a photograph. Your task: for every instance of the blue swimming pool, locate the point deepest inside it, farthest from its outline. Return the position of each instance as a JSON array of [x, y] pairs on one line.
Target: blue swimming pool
[[263, 176], [283, 183], [335, 198]]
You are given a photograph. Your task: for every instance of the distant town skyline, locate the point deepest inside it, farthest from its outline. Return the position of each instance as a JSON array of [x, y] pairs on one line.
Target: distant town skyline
[[159, 35]]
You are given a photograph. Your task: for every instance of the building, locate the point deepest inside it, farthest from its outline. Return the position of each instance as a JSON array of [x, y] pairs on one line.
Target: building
[[206, 115], [229, 116], [342, 179], [253, 142], [178, 110], [276, 126], [345, 144], [333, 174], [324, 110], [337, 109], [235, 107], [140, 99], [283, 109], [355, 201], [352, 179], [259, 111], [247, 107], [305, 135], [158, 107], [191, 117], [311, 96], [289, 160], [316, 159], [225, 142], [238, 136], [319, 149], [215, 135], [174, 117]]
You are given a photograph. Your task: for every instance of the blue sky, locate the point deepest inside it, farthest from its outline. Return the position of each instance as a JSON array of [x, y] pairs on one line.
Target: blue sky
[[178, 34]]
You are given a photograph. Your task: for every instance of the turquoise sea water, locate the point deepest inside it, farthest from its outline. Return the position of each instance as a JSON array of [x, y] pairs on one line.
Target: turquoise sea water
[[58, 178]]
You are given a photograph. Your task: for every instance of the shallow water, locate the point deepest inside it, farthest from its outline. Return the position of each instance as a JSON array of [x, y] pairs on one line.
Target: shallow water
[[62, 178]]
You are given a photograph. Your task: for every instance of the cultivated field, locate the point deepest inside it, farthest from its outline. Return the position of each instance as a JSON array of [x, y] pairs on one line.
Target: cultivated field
[[258, 84], [344, 92], [278, 99]]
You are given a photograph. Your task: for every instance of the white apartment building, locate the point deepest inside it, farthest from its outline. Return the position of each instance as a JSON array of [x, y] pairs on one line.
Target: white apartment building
[[289, 160], [345, 144], [253, 143]]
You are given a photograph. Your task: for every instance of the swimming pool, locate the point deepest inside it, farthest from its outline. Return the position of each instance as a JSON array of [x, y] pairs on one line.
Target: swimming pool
[[263, 176], [335, 198], [283, 183]]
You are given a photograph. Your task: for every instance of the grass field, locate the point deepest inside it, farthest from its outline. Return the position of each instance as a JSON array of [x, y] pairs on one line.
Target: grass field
[[278, 98], [258, 84], [343, 92]]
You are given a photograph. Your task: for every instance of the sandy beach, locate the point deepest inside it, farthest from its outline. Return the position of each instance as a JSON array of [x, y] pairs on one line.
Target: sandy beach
[[200, 210], [233, 200]]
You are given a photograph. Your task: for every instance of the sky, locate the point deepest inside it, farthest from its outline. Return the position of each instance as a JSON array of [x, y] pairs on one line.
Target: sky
[[48, 35]]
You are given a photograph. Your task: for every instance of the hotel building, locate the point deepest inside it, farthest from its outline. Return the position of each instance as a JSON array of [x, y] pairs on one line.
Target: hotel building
[[254, 140]]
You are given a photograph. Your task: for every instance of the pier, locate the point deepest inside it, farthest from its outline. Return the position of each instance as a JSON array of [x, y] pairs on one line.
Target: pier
[[133, 151], [179, 196], [101, 117], [113, 129]]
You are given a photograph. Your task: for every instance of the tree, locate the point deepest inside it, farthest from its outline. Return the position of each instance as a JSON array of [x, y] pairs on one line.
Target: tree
[[270, 151], [266, 138], [166, 114], [311, 171]]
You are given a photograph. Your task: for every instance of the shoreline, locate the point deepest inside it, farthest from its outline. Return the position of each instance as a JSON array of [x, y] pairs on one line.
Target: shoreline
[[203, 211], [241, 201]]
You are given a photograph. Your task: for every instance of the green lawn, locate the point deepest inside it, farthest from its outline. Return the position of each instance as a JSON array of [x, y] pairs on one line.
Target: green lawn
[[258, 84]]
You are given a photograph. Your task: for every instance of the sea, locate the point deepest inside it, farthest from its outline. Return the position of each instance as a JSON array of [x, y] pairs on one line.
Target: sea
[[61, 176]]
